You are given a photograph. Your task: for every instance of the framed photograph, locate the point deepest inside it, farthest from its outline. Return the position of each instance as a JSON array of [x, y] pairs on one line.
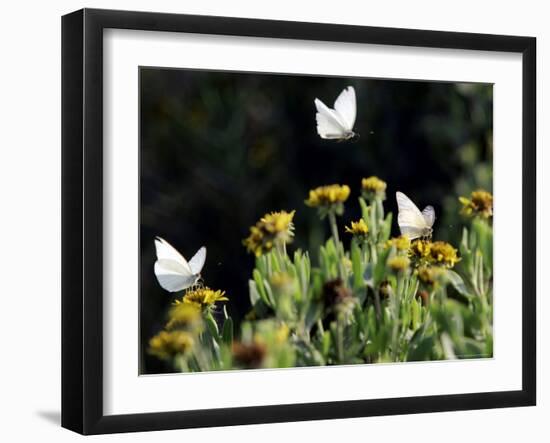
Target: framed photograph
[[269, 221]]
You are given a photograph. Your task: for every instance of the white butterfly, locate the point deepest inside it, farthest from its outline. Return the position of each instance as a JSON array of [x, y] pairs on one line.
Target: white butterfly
[[337, 123], [173, 272], [412, 222]]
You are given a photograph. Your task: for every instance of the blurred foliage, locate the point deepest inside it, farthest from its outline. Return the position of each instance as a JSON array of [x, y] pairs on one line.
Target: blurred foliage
[[381, 300], [219, 149]]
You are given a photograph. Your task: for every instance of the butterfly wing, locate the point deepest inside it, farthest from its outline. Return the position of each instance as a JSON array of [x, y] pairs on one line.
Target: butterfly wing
[[171, 269], [173, 276], [197, 262], [329, 125], [429, 215], [410, 220], [346, 107], [166, 251]]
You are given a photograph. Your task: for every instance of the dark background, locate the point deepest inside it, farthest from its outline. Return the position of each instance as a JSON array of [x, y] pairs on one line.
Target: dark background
[[220, 149]]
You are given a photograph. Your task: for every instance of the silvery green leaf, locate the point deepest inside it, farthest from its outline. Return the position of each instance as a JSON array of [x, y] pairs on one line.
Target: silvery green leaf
[[367, 275], [456, 281], [253, 292], [227, 331]]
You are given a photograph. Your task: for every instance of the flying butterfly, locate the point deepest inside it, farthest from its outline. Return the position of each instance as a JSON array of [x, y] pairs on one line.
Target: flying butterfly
[[412, 222], [173, 272], [337, 123]]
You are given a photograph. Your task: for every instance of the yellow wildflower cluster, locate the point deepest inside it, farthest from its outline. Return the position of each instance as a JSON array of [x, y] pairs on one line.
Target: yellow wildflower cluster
[[420, 249], [401, 243], [184, 323], [429, 275], [276, 227], [167, 344], [358, 228], [373, 187], [399, 263], [184, 315], [480, 203], [328, 195], [436, 253], [202, 297], [282, 282], [281, 334]]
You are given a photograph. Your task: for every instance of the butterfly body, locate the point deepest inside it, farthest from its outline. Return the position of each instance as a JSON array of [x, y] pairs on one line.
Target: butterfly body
[[337, 123], [412, 222], [173, 272]]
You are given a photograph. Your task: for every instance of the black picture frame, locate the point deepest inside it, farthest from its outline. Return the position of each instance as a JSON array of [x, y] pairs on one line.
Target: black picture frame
[[82, 220]]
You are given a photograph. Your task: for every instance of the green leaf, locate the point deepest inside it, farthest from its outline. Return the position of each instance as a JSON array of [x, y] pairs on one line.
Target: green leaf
[[357, 267], [212, 325], [484, 234], [424, 350], [275, 263], [326, 343], [303, 272], [313, 314], [269, 294], [471, 348], [364, 210], [260, 284], [447, 345], [368, 275], [415, 314], [253, 292], [227, 331], [371, 322], [380, 267], [385, 232], [261, 264], [464, 244], [456, 281]]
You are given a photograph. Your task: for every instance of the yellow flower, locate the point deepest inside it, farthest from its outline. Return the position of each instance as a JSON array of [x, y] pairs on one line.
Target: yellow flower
[[328, 195], [202, 297], [401, 243], [273, 228], [420, 249], [429, 275], [436, 253], [399, 263], [277, 222], [358, 228], [282, 282], [443, 253], [281, 334], [167, 344], [184, 315], [480, 203], [373, 187]]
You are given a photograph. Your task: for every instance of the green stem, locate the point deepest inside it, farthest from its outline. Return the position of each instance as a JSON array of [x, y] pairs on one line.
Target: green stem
[[280, 249], [397, 297], [320, 328], [180, 362], [334, 228], [373, 254], [377, 306], [340, 340], [337, 244]]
